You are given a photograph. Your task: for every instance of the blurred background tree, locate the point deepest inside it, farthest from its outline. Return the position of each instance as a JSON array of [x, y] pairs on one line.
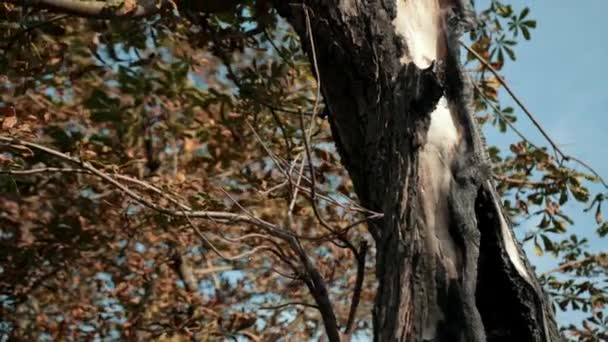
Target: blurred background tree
[[158, 156]]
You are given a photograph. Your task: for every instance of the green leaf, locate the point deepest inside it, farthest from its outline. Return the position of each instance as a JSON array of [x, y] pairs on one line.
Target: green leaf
[[547, 243], [529, 23], [525, 32], [563, 198], [603, 229], [544, 223], [510, 52], [524, 13]]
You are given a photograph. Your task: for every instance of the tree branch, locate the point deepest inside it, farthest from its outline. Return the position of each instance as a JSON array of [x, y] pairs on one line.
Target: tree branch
[[576, 263], [280, 306], [557, 150], [350, 325], [97, 9]]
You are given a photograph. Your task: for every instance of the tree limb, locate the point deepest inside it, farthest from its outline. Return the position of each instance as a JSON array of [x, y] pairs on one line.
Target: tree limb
[[350, 325], [97, 9]]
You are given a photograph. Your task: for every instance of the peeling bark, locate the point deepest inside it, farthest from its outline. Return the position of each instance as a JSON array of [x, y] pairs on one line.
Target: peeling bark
[[448, 266]]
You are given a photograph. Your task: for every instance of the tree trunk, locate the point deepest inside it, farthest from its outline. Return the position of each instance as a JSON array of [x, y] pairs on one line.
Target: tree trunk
[[448, 266]]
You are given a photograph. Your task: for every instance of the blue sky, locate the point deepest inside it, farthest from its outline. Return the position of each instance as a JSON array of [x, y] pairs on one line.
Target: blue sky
[[561, 75]]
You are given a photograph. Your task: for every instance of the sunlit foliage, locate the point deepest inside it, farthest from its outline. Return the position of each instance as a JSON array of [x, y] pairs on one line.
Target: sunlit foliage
[[210, 113]]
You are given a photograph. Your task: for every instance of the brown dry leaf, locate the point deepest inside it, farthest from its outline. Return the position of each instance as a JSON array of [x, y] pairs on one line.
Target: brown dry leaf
[[88, 155], [9, 122], [190, 144], [180, 177], [492, 82]]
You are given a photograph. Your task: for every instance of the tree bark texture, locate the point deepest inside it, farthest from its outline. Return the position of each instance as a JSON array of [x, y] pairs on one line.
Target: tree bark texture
[[448, 266]]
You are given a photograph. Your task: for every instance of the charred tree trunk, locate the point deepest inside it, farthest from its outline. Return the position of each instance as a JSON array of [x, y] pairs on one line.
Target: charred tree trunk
[[448, 266]]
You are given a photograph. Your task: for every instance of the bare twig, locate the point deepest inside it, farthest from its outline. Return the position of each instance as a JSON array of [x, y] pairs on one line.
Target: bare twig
[[136, 181], [30, 172], [288, 148], [499, 113], [272, 156], [307, 135], [589, 168], [313, 201], [281, 306], [277, 251], [182, 211], [312, 278], [221, 216], [515, 98], [297, 187], [216, 250], [350, 324], [316, 285], [315, 64]]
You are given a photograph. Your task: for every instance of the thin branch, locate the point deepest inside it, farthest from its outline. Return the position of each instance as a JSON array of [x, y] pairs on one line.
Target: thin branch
[[288, 148], [276, 307], [499, 113], [316, 285], [589, 168], [267, 149], [307, 135], [14, 38], [312, 189], [294, 194], [531, 116], [278, 250], [516, 181], [182, 212], [574, 263], [313, 201], [216, 250], [143, 184], [96, 9], [315, 64], [314, 280], [350, 324], [274, 188], [30, 172], [213, 269], [515, 98], [283, 274], [224, 217]]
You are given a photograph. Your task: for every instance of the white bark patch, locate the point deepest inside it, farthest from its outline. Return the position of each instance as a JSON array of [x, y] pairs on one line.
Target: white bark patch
[[420, 23], [510, 244], [436, 157], [348, 7]]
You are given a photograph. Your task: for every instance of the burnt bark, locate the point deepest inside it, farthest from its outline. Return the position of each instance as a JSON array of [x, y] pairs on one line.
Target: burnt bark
[[467, 285]]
